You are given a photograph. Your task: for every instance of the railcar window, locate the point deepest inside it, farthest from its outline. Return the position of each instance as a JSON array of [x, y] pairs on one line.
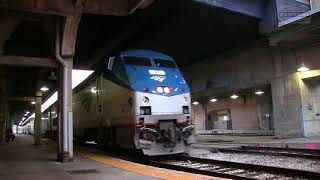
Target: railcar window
[[136, 61], [164, 63]]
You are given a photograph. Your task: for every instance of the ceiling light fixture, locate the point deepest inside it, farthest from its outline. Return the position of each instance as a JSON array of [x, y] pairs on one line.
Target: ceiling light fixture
[[234, 96], [213, 100], [93, 90], [303, 68], [196, 103], [44, 89], [259, 92]]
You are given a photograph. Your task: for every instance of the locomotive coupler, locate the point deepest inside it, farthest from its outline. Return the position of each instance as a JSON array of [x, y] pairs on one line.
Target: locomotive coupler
[[187, 134], [147, 138]]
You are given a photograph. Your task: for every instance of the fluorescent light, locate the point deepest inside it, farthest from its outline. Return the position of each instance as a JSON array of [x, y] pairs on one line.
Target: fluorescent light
[[213, 100], [78, 76], [234, 96], [195, 103], [33, 102], [91, 142], [44, 89], [259, 92]]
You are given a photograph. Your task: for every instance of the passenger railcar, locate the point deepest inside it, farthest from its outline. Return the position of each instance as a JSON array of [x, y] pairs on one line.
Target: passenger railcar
[[139, 100]]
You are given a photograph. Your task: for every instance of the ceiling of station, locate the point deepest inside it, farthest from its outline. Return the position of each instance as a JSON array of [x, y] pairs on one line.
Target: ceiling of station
[[187, 30], [24, 82]]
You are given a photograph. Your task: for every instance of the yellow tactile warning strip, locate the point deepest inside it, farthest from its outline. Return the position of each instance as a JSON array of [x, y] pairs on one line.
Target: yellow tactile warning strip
[[142, 169]]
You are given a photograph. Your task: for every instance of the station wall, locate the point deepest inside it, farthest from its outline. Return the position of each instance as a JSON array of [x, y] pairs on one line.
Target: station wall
[[310, 93], [255, 65], [250, 113]]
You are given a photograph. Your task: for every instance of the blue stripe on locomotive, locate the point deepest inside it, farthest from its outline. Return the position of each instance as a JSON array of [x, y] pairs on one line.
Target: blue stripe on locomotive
[[138, 77]]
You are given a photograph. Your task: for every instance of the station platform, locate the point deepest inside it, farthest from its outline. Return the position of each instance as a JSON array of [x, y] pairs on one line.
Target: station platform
[[20, 160], [212, 142]]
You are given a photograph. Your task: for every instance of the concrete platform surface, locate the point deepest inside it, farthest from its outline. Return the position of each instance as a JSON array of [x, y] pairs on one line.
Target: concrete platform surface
[[23, 160], [212, 142]]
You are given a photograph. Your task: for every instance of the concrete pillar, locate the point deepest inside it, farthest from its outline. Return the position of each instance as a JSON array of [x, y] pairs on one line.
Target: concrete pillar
[[37, 119], [3, 104], [7, 118], [286, 96], [65, 50], [65, 124], [50, 120]]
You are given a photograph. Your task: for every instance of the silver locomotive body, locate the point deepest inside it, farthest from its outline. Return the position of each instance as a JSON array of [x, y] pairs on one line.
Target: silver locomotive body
[[110, 114], [140, 100]]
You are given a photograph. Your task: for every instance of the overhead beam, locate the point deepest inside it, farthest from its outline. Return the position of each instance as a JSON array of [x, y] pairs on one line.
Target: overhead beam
[[56, 7], [70, 7], [304, 2], [28, 61], [247, 7], [27, 99], [69, 36], [114, 7], [293, 32]]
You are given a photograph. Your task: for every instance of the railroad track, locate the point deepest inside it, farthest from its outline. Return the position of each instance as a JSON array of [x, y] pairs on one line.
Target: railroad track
[[227, 169], [295, 153]]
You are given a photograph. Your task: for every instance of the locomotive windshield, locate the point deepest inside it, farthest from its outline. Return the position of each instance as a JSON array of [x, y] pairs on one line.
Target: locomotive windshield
[[164, 63], [146, 71], [136, 61]]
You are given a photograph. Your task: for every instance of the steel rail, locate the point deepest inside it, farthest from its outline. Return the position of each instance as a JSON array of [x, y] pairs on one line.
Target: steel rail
[[272, 153], [250, 171], [305, 151]]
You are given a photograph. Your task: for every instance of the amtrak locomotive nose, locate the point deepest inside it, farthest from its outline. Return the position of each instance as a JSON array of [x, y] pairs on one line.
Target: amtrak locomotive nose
[[145, 103]]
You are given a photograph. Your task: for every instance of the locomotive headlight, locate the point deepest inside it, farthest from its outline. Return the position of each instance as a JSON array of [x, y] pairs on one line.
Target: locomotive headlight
[[166, 90], [145, 100], [160, 90], [145, 110], [185, 99]]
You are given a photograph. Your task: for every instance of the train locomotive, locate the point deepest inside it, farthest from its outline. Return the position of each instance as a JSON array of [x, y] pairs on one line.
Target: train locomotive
[[139, 100]]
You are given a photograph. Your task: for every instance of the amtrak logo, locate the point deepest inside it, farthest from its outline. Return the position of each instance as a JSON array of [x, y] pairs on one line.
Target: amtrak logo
[[157, 72], [158, 78]]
